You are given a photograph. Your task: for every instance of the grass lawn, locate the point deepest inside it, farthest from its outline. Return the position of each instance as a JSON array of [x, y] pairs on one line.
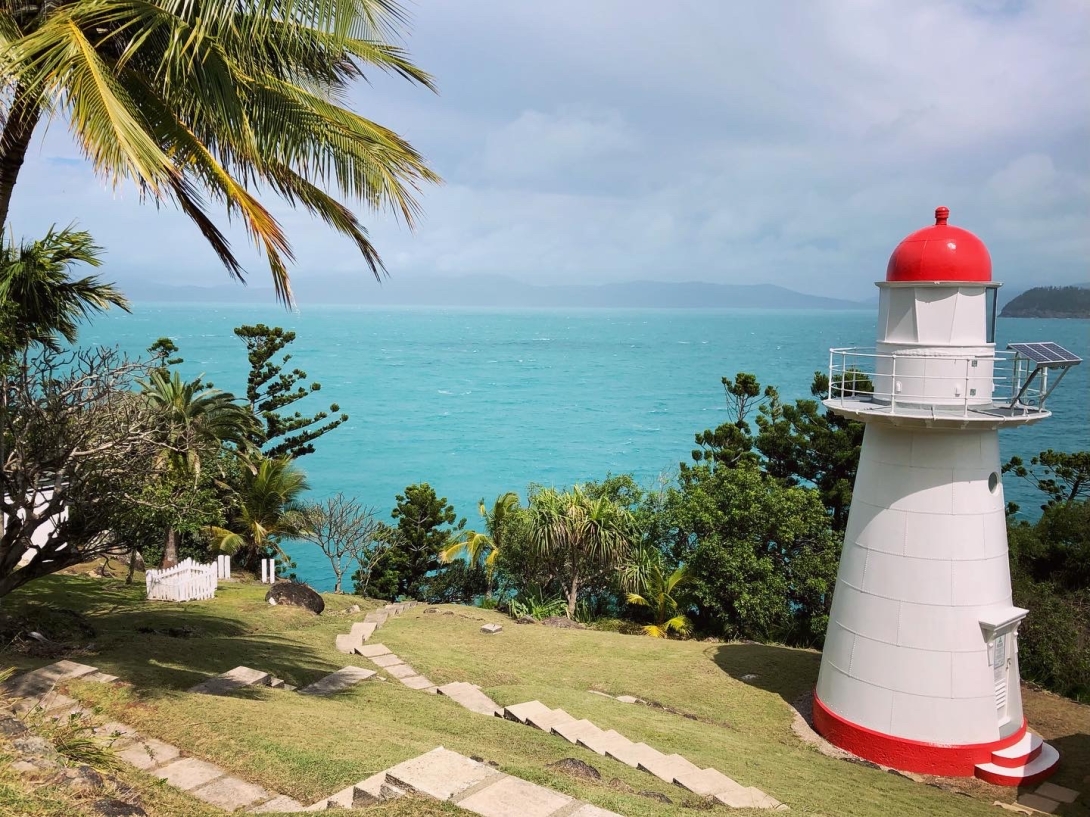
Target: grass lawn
[[308, 748]]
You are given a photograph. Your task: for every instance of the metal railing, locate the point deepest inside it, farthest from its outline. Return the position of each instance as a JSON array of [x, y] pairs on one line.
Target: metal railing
[[929, 380]]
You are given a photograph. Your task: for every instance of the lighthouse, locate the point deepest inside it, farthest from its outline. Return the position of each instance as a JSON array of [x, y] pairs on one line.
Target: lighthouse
[[920, 667]]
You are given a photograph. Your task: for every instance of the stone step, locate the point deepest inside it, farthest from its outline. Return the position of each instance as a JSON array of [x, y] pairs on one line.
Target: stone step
[[346, 643], [573, 731], [279, 804], [188, 773], [373, 650], [604, 741], [632, 753], [750, 797], [514, 796], [230, 793], [440, 773], [520, 712], [365, 630], [708, 783], [147, 753], [669, 767], [100, 677], [232, 679], [419, 682], [43, 679], [338, 681], [49, 701], [545, 721], [401, 671], [470, 697], [386, 660], [377, 618]]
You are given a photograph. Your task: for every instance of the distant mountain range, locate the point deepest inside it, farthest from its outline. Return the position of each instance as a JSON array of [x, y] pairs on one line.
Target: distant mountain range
[[498, 291], [1050, 302]]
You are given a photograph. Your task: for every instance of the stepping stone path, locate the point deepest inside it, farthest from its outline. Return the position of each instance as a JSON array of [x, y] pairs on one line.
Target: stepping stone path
[[338, 681], [671, 768], [205, 781], [474, 786]]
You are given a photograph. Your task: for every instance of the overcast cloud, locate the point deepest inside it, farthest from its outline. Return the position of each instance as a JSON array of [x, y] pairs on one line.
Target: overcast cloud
[[603, 140]]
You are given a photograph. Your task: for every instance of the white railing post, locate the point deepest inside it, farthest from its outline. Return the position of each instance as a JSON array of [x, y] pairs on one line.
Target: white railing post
[[264, 572], [272, 571]]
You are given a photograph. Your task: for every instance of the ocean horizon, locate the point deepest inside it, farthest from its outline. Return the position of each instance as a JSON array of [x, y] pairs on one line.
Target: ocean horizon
[[480, 401]]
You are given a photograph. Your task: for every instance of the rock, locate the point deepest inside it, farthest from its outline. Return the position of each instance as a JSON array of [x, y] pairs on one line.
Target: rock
[[749, 677], [355, 608], [109, 807], [38, 637], [563, 623], [576, 768], [628, 699], [272, 601], [446, 612], [491, 629], [82, 779], [656, 795], [525, 620], [297, 594], [11, 726], [34, 746], [620, 785], [431, 610]]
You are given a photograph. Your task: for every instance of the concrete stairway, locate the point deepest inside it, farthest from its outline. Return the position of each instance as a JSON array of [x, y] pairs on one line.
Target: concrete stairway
[[352, 641], [476, 787], [1029, 761], [670, 768]]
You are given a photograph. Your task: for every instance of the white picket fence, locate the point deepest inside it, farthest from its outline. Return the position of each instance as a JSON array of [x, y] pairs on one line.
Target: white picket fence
[[186, 581]]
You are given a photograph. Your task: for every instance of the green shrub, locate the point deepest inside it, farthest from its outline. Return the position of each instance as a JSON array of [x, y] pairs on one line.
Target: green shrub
[[1054, 639]]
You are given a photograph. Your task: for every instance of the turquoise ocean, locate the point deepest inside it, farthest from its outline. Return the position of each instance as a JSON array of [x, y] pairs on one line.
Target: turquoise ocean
[[479, 402]]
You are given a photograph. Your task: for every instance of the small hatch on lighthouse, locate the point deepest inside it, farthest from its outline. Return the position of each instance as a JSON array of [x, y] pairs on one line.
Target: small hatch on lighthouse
[[920, 666]]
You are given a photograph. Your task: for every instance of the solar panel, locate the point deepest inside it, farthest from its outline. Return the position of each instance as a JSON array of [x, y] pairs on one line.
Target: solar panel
[[1045, 354]]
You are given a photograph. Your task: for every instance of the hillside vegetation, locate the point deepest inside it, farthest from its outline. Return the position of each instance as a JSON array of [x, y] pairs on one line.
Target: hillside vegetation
[[308, 748], [1050, 302]]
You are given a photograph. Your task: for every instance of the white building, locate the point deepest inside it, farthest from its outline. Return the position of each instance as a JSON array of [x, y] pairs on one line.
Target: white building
[[920, 668]]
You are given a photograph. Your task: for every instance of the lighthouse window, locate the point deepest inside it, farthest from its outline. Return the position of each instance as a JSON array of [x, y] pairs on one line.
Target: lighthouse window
[[993, 482], [992, 293]]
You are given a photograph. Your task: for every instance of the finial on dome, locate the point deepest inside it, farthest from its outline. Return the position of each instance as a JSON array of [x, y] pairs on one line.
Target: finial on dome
[[941, 215]]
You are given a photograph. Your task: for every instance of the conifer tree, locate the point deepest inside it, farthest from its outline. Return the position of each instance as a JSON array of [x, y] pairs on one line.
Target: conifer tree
[[270, 390]]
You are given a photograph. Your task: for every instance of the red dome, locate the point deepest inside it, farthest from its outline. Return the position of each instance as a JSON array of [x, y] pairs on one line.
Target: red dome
[[940, 253]]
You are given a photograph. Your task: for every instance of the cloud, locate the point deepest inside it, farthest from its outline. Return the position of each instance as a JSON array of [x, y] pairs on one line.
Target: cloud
[[795, 144]]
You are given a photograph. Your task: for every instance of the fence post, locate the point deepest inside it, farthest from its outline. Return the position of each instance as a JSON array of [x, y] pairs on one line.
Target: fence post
[[264, 572]]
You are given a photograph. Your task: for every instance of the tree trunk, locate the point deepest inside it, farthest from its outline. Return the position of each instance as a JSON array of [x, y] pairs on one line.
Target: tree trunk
[[337, 586], [23, 116], [573, 595], [170, 549], [132, 566]]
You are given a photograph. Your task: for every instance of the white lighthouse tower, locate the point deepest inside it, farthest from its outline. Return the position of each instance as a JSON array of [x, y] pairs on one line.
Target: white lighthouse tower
[[920, 668]]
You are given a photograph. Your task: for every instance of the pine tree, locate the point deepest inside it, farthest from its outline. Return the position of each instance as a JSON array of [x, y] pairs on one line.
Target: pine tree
[[270, 390]]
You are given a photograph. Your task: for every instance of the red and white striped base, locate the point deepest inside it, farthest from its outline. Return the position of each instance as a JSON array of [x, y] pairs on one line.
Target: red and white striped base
[[1029, 761]]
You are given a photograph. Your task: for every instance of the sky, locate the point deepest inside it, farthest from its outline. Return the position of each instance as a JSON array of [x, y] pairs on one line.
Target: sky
[[789, 142]]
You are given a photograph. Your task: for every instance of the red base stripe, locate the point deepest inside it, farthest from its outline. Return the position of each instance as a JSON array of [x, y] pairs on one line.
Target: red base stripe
[[902, 753], [997, 779]]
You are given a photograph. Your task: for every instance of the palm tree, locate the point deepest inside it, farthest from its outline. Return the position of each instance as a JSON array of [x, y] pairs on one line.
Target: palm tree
[[196, 423], [484, 548], [268, 510], [659, 595], [203, 101], [586, 534], [38, 298]]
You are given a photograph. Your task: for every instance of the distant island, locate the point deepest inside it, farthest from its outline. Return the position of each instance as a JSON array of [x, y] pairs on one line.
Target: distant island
[[1050, 302], [494, 291]]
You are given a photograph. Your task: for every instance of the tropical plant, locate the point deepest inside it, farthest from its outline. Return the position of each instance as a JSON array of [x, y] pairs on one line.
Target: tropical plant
[[195, 100], [533, 603], [266, 510], [484, 548], [195, 424], [39, 301], [588, 536], [660, 595]]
